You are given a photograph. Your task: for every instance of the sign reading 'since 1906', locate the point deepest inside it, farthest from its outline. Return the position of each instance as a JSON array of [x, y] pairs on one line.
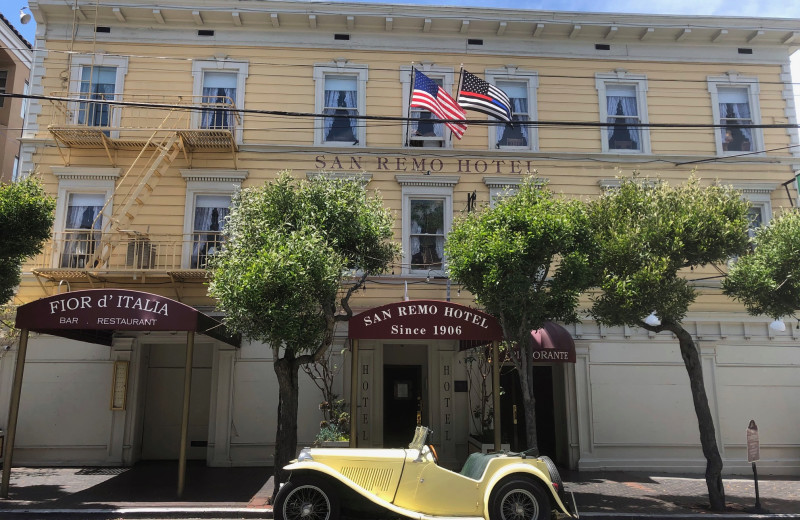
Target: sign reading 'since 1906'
[[424, 319]]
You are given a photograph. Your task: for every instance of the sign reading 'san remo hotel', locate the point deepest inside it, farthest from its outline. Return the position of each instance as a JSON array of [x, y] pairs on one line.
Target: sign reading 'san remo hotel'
[[424, 319]]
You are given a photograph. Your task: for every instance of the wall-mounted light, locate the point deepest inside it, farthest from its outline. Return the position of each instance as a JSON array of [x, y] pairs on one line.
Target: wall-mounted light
[[778, 325], [653, 320], [23, 16]]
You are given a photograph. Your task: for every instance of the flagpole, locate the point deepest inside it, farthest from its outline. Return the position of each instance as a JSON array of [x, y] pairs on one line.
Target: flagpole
[[458, 91], [408, 113]]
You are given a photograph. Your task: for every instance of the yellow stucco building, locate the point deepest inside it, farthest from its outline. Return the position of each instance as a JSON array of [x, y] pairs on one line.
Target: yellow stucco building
[[152, 117]]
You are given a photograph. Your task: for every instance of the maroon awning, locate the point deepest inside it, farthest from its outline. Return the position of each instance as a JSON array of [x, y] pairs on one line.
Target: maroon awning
[[553, 344], [425, 319], [95, 314]]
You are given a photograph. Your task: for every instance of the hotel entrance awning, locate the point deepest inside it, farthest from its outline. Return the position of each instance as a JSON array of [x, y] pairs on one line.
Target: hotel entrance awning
[[94, 316]]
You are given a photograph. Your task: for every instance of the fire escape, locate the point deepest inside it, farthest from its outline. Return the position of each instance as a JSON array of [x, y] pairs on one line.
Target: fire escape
[[160, 130]]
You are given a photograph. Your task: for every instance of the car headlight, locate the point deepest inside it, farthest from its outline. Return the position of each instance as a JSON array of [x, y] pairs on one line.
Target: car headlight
[[305, 454]]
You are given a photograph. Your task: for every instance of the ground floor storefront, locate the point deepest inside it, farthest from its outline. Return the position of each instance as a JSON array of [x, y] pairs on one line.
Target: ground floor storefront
[[624, 404]]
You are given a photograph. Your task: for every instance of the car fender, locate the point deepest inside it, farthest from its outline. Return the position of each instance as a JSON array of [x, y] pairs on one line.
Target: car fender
[[316, 467], [528, 470]]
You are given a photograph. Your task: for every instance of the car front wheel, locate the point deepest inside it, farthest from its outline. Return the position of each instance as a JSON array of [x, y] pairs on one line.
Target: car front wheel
[[519, 499], [306, 499]]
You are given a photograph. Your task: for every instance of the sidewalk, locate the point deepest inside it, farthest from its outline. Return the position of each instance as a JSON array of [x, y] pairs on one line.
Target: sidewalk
[[150, 488]]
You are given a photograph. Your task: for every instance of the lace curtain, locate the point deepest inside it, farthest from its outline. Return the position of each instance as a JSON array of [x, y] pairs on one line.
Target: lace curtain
[[81, 234], [207, 237], [515, 135], [342, 104], [426, 239], [735, 138], [622, 137], [219, 98]]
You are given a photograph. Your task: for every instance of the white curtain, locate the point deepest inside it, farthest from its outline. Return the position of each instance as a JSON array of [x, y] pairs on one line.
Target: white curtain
[[343, 104], [618, 136], [207, 237], [737, 139], [426, 127], [219, 98], [81, 233]]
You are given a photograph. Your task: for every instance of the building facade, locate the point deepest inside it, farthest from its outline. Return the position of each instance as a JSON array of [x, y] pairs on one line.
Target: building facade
[[154, 117], [15, 67]]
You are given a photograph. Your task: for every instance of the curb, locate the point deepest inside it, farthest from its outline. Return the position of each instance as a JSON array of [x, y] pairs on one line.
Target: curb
[[693, 516]]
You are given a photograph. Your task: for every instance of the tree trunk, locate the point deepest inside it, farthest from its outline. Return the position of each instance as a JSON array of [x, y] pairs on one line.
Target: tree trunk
[[708, 438], [528, 403], [287, 370]]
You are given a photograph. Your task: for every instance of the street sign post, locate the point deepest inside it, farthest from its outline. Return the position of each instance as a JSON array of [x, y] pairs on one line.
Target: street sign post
[[753, 455]]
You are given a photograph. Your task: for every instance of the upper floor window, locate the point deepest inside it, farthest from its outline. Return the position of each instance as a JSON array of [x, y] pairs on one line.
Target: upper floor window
[[209, 218], [219, 89], [520, 86], [623, 106], [82, 228], [340, 98], [97, 77], [734, 104], [3, 81], [421, 129]]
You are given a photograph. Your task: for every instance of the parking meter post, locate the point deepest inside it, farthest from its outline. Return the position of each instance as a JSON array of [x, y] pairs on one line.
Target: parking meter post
[[755, 479]]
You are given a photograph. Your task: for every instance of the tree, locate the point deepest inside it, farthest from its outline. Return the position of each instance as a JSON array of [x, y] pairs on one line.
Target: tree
[[767, 280], [648, 235], [526, 262], [26, 218], [279, 277]]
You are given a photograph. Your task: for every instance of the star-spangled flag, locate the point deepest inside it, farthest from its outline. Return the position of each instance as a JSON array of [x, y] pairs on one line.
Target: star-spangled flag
[[427, 94], [477, 94]]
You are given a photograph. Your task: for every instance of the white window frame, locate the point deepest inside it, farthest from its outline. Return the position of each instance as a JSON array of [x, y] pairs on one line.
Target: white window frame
[[81, 180], [240, 68], [447, 75], [750, 84], [531, 78], [439, 187], [759, 194], [79, 61], [623, 78], [205, 182], [340, 68]]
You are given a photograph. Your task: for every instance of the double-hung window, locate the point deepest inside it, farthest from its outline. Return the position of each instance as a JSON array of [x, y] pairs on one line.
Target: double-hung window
[[520, 86], [219, 88], [340, 91], [427, 217], [421, 130], [82, 228], [209, 217], [98, 79], [623, 107], [734, 104]]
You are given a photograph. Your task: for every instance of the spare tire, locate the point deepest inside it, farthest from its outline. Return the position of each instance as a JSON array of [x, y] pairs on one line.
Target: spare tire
[[555, 476]]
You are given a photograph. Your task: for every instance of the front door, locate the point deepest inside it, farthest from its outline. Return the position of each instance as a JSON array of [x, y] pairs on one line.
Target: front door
[[402, 404]]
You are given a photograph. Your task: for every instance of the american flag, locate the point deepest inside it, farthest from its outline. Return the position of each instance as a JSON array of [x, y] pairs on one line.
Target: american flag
[[427, 94], [482, 96]]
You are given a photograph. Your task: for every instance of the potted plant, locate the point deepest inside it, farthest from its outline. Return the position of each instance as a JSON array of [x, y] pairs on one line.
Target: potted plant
[[480, 398], [334, 428]]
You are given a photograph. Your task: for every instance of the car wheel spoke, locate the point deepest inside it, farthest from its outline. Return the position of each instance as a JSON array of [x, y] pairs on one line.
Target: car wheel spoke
[[519, 505]]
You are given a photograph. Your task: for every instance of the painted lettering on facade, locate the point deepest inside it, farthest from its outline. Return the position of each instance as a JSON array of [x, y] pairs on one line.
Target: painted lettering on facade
[[354, 163], [68, 304]]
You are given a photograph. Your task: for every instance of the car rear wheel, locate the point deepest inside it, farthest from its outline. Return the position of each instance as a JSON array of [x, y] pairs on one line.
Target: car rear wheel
[[519, 499], [306, 499]]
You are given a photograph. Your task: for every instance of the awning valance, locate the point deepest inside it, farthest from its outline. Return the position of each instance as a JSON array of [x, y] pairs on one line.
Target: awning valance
[[553, 344]]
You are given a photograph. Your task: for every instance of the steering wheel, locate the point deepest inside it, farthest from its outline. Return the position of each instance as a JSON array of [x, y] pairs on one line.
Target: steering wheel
[[433, 452]]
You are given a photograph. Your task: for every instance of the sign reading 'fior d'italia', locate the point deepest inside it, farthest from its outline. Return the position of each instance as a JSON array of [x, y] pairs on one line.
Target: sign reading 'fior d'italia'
[[424, 319]]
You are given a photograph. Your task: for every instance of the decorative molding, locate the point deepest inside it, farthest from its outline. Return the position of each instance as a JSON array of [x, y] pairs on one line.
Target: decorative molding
[[443, 181], [362, 177], [210, 175], [86, 173]]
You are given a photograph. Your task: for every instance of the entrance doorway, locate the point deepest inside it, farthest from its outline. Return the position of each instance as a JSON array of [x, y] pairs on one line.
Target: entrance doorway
[[163, 404], [402, 403], [512, 412]]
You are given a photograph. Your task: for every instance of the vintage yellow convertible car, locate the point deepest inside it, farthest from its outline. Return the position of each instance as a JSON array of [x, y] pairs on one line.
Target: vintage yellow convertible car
[[409, 483]]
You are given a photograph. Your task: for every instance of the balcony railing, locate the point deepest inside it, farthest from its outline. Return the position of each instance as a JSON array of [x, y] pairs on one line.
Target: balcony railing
[[81, 119], [79, 253]]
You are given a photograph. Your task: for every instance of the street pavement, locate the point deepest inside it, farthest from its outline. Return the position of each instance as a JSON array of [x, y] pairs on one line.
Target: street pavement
[[148, 490]]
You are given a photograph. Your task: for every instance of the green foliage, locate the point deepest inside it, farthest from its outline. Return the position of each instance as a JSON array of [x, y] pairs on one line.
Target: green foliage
[[647, 232], [335, 426], [26, 218], [767, 280], [526, 259], [279, 274]]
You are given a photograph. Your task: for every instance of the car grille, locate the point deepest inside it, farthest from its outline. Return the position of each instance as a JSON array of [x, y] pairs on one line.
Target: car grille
[[373, 479]]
